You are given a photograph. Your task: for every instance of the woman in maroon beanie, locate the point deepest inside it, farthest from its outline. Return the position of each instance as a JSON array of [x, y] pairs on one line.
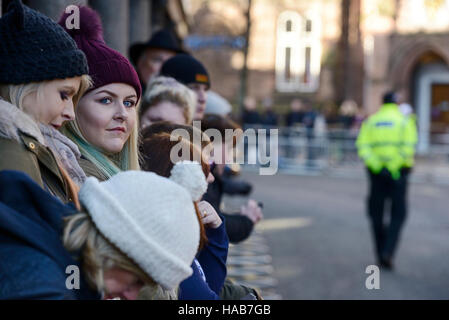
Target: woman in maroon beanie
[[105, 129]]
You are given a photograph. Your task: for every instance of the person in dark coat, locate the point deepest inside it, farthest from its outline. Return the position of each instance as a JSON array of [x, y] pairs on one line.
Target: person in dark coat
[[296, 114], [250, 116], [31, 224], [269, 117]]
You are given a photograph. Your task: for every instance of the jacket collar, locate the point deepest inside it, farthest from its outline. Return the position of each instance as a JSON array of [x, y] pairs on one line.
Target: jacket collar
[[389, 106], [13, 121]]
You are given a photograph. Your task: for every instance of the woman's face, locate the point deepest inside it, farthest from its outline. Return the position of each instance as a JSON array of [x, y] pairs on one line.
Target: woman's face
[[106, 116], [163, 111], [54, 105], [121, 284], [201, 95]]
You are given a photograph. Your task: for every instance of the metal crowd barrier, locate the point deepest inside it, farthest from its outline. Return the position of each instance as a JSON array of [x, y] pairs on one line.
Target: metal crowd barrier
[[328, 150]]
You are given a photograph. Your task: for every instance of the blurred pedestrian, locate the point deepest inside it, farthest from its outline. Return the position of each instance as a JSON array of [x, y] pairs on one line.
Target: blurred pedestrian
[[42, 76], [167, 100], [386, 143], [250, 116], [148, 57], [269, 117], [348, 110], [296, 113]]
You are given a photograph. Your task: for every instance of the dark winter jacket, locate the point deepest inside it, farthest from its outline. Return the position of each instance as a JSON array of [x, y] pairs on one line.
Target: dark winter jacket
[[33, 260], [238, 227], [209, 269], [251, 117], [270, 118]]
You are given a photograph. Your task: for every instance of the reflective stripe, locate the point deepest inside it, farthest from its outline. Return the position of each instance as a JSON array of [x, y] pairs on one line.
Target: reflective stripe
[[384, 144]]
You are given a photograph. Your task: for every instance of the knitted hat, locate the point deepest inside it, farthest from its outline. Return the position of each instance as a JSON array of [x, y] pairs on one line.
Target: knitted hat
[[162, 39], [150, 218], [33, 48], [105, 64], [186, 69]]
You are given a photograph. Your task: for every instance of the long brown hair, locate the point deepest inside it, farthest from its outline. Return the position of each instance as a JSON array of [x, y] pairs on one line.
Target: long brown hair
[[156, 149]]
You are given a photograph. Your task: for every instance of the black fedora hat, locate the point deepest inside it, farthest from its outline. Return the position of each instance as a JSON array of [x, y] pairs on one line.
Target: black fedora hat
[[162, 39]]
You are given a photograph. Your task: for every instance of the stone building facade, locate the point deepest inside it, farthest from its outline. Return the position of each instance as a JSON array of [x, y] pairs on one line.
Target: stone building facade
[[124, 21]]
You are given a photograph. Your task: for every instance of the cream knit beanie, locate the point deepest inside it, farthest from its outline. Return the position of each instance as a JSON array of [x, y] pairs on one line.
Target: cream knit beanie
[[150, 218]]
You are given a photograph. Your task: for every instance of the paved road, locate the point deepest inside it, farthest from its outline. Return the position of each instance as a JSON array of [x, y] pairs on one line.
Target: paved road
[[321, 243]]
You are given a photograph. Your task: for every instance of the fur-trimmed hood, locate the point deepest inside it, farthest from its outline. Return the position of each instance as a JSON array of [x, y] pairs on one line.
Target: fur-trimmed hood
[[13, 120]]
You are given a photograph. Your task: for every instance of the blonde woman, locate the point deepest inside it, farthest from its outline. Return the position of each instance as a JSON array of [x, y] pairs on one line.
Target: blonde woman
[[42, 76], [165, 99], [105, 129], [144, 240]]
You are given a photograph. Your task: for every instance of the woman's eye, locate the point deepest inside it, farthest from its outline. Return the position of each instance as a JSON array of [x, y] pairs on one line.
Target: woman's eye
[[129, 103], [64, 95], [105, 101]]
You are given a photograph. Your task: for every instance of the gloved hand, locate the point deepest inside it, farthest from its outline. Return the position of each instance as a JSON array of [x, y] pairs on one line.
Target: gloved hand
[[395, 169]]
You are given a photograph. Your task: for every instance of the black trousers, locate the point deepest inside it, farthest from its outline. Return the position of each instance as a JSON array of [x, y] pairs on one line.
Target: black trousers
[[383, 189]]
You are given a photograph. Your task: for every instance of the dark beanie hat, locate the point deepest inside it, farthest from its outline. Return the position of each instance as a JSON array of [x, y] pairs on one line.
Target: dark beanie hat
[[105, 64], [33, 48], [162, 39], [185, 69]]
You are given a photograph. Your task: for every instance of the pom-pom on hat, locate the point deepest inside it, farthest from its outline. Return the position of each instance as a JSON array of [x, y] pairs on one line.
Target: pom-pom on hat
[[149, 218], [34, 48], [105, 64], [190, 175]]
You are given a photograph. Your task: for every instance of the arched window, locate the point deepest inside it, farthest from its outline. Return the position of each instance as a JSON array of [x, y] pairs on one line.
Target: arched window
[[298, 52]]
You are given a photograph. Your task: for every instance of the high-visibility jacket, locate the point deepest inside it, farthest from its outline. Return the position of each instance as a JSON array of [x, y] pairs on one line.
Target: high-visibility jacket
[[387, 139]]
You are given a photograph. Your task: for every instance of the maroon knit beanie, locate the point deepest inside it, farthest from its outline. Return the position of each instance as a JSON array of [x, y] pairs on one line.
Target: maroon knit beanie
[[105, 64]]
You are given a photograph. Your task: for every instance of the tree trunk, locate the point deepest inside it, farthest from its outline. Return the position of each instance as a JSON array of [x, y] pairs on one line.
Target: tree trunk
[[244, 71], [349, 71]]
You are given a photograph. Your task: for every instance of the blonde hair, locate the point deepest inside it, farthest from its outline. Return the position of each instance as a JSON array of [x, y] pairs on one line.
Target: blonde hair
[[162, 89], [16, 93], [98, 255]]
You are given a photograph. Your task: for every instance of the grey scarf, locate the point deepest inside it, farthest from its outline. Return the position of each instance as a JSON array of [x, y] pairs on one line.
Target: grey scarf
[[66, 151]]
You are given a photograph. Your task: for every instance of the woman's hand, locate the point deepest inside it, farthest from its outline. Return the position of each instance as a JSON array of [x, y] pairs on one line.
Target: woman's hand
[[209, 216]]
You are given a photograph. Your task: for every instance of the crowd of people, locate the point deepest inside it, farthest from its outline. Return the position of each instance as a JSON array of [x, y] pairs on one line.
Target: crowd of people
[[92, 203], [302, 114]]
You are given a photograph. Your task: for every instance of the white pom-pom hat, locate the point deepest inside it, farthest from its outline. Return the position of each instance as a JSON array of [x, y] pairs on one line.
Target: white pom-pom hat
[[150, 218], [190, 175]]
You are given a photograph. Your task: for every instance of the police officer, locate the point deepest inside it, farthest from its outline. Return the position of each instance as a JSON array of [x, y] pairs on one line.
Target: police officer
[[386, 143]]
